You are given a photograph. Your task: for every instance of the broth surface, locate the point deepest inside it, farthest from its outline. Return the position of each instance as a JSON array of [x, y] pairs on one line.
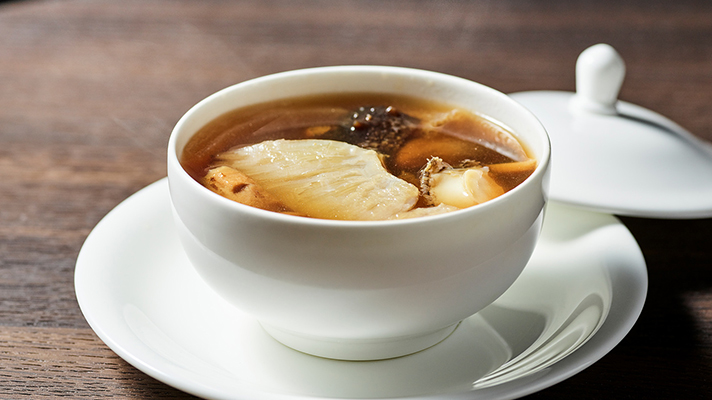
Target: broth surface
[[407, 133]]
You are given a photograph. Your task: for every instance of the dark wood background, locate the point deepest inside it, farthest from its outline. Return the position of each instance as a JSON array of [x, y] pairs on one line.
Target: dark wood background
[[89, 91]]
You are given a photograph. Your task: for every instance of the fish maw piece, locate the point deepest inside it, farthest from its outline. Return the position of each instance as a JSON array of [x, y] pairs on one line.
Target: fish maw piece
[[234, 185], [462, 187], [324, 178]]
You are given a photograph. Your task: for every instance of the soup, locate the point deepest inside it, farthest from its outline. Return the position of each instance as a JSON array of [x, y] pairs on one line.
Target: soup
[[356, 157]]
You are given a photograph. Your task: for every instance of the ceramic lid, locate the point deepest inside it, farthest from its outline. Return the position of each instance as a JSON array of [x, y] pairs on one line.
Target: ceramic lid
[[616, 157]]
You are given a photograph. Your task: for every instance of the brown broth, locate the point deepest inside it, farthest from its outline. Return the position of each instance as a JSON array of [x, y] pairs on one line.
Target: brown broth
[[464, 138]]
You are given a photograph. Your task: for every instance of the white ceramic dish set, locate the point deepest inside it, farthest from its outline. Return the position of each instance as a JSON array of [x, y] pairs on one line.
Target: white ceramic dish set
[[578, 296]]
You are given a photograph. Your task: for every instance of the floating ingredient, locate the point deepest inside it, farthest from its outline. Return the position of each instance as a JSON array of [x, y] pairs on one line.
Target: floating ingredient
[[234, 185], [458, 187], [324, 178]]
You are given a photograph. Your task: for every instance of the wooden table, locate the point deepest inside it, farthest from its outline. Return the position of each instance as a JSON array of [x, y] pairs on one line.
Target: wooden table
[[89, 91]]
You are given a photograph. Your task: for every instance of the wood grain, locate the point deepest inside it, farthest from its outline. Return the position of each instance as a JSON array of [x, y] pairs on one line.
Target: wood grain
[[89, 91], [69, 362]]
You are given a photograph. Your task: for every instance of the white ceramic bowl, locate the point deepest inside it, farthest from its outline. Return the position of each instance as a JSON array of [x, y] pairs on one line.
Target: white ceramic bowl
[[360, 290]]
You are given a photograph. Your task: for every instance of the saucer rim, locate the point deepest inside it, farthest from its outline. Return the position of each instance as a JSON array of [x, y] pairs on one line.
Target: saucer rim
[[620, 320]]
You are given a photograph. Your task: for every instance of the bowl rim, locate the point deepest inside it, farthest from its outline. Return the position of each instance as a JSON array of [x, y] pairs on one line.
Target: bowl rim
[[175, 167]]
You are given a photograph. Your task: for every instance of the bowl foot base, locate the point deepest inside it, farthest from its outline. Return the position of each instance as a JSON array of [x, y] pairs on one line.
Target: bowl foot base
[[359, 349]]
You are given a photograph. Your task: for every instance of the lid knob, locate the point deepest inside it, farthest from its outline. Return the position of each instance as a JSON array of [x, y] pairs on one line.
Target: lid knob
[[600, 71]]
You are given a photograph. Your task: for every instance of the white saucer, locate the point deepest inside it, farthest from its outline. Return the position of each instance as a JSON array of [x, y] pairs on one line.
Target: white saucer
[[579, 296]]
